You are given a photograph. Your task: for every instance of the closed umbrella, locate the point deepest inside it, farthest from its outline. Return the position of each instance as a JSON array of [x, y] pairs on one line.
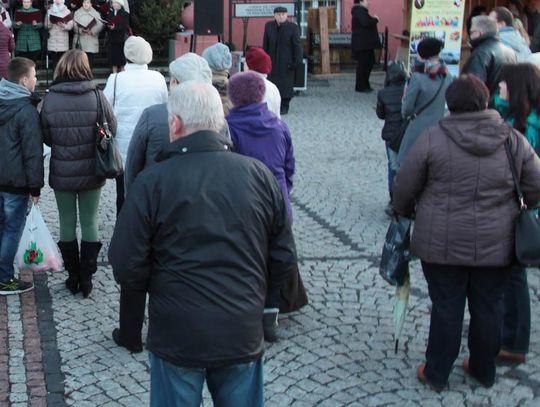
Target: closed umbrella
[[400, 308]]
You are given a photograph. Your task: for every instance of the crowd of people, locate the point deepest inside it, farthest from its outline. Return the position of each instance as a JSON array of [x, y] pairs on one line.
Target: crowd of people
[[208, 231], [42, 30], [452, 173]]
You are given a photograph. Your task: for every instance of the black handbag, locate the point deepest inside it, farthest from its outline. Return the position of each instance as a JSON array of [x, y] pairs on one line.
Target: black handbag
[[108, 158], [527, 226], [408, 119], [394, 266]]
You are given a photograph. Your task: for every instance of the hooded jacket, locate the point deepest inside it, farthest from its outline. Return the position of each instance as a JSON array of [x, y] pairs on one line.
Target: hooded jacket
[[459, 176], [511, 38], [258, 133], [68, 118], [21, 142], [389, 105]]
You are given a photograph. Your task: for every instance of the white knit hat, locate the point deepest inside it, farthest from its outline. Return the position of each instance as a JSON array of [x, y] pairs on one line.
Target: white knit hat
[[137, 50]]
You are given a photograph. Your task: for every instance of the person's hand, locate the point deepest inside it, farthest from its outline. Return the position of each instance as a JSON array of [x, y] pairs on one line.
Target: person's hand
[[34, 22], [35, 200], [18, 23]]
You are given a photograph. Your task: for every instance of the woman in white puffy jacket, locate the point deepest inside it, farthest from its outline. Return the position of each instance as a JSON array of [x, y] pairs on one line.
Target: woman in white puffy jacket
[[130, 92], [59, 22]]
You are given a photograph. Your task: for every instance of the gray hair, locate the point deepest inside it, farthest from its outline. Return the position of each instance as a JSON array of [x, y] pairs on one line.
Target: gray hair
[[198, 105], [485, 25]]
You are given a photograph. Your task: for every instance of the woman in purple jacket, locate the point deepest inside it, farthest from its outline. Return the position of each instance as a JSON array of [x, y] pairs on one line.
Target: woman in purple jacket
[[7, 45], [257, 132]]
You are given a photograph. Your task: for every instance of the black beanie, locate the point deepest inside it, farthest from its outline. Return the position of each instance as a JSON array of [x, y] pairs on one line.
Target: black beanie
[[429, 47]]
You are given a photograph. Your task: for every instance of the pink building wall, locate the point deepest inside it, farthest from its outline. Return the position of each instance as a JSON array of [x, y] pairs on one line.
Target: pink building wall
[[390, 14]]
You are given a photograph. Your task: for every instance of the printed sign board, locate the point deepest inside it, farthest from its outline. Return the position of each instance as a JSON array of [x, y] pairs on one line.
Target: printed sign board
[[441, 19], [261, 9]]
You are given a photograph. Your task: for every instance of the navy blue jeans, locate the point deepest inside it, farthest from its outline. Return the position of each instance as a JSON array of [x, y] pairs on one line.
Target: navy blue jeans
[[233, 386], [449, 287], [12, 217], [516, 332]]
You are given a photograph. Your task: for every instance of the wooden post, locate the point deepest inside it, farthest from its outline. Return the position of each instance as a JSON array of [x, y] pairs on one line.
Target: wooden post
[[325, 46]]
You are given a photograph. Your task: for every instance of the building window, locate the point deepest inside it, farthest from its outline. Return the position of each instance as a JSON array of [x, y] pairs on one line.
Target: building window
[[305, 5]]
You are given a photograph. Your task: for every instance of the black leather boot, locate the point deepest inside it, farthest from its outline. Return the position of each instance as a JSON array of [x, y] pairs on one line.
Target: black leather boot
[[89, 254], [70, 255]]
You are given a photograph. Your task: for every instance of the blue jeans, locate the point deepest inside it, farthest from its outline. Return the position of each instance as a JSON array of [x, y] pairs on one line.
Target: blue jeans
[[232, 386], [516, 332], [12, 217]]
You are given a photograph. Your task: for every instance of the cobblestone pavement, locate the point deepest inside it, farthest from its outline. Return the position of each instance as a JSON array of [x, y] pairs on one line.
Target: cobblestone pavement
[[337, 351]]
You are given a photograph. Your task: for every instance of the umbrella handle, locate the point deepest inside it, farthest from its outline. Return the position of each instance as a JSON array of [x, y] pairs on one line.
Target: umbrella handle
[[396, 346]]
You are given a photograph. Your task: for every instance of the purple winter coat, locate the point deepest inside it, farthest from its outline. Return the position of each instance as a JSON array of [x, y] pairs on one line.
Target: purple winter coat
[[258, 133], [7, 45]]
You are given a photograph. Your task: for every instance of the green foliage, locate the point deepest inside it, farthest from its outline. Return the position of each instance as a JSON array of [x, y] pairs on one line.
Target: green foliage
[[158, 20]]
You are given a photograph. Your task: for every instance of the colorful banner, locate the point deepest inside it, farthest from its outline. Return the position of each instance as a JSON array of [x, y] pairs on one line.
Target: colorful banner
[[441, 19]]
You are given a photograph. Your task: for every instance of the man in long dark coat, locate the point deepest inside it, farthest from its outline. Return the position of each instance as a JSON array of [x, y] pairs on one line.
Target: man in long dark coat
[[282, 42], [365, 40]]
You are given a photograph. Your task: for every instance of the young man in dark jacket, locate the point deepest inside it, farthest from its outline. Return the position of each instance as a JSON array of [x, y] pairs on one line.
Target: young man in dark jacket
[[364, 41], [204, 232], [21, 164]]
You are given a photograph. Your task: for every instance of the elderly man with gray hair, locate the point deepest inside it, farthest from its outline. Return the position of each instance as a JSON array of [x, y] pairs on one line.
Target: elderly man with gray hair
[[150, 137], [489, 54], [206, 255]]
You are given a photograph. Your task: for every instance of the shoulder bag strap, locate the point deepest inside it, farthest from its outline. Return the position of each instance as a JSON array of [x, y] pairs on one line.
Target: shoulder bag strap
[[431, 100], [519, 194], [99, 107]]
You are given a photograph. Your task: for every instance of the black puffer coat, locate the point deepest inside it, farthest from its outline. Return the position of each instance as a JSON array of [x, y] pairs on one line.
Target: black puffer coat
[[68, 121], [389, 105]]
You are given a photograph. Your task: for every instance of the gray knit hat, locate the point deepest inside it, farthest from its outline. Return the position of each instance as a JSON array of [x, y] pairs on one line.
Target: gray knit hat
[[218, 57]]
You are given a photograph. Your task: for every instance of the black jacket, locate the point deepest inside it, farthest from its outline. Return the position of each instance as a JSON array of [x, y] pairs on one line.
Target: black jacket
[[199, 231], [389, 106], [21, 145], [282, 43], [68, 120], [117, 35], [149, 138], [487, 59], [364, 31]]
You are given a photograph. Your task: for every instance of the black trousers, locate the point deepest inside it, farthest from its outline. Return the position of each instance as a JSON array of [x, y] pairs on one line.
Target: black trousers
[[132, 306], [120, 191], [364, 64], [449, 287]]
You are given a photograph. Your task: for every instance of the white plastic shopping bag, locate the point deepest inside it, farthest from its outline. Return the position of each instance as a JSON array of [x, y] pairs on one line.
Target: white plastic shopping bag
[[37, 250]]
